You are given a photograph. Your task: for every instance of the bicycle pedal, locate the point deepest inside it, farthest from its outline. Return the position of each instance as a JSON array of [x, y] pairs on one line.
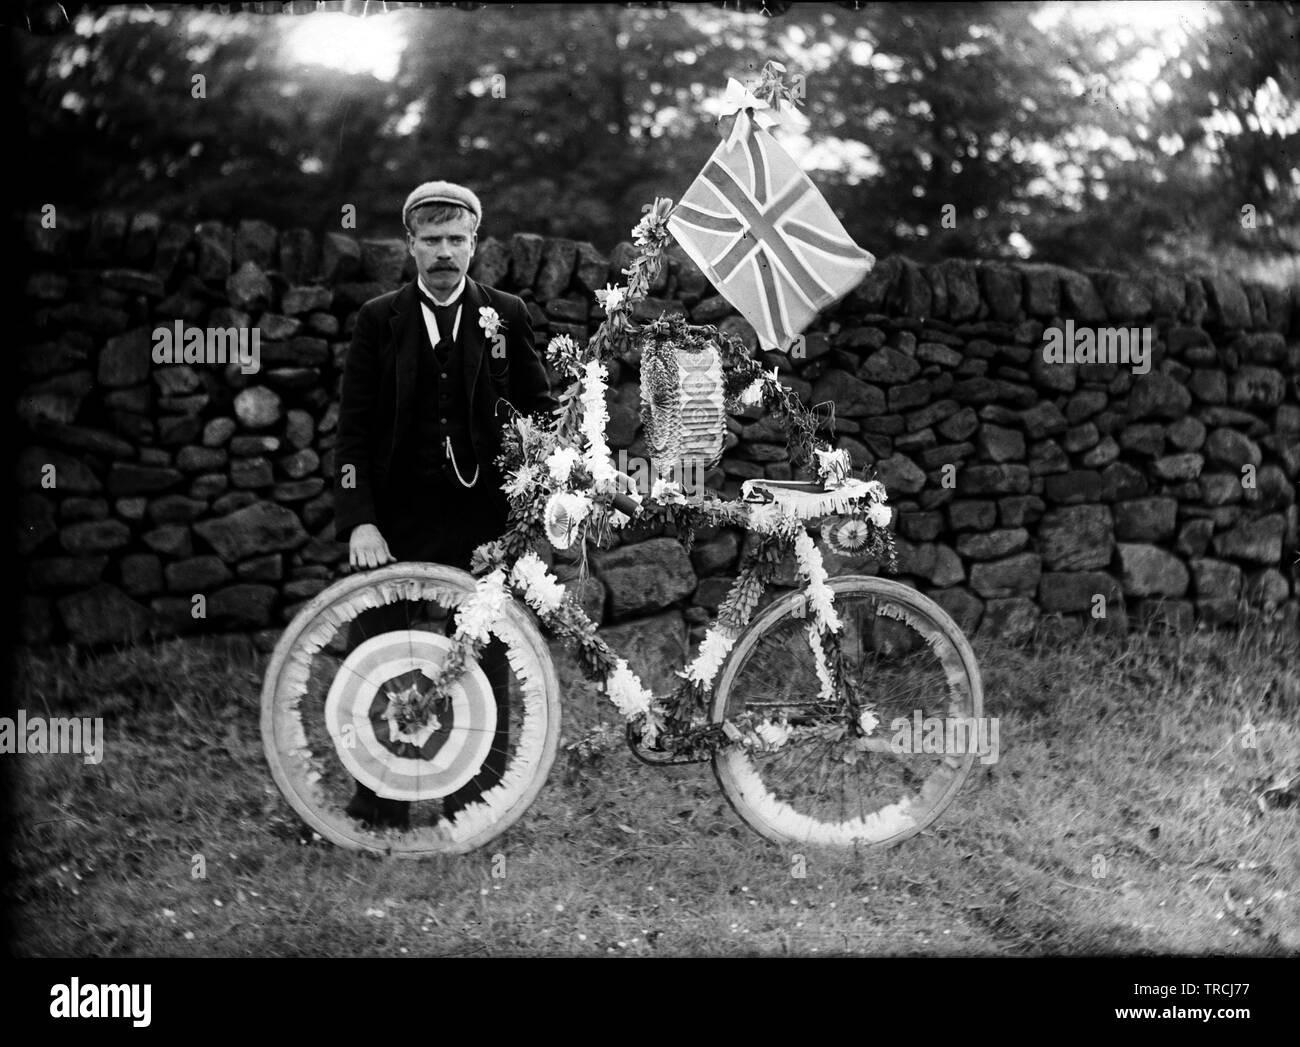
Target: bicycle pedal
[[657, 756], [666, 759]]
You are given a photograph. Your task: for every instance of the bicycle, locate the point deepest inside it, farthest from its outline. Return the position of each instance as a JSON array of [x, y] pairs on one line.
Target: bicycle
[[786, 701]]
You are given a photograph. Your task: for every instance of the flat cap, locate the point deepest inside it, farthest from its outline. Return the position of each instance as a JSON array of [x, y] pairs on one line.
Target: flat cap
[[442, 193]]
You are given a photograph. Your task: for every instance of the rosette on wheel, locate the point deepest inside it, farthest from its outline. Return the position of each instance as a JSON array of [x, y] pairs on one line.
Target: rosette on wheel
[[387, 732]]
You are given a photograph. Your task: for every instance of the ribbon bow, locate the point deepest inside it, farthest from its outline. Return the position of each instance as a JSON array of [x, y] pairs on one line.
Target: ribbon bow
[[738, 97], [736, 100]]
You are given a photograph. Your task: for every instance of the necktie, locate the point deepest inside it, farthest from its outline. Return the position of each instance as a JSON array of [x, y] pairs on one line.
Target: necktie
[[444, 314]]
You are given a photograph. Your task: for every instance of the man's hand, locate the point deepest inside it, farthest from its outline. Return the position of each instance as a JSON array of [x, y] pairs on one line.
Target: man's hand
[[367, 547]]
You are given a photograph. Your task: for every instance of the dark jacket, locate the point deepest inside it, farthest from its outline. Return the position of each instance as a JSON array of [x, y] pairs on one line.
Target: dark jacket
[[377, 403]]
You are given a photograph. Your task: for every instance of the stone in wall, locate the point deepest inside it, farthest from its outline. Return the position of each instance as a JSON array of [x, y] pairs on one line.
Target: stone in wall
[[646, 577], [103, 614], [259, 528]]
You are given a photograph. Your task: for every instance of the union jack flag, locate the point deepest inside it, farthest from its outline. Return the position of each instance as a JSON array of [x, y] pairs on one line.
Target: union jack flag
[[762, 233]]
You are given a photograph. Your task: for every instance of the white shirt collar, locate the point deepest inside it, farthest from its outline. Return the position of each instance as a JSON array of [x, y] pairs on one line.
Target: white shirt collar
[[460, 287]]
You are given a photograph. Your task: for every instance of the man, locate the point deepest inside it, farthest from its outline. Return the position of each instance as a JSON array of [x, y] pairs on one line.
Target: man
[[427, 388]]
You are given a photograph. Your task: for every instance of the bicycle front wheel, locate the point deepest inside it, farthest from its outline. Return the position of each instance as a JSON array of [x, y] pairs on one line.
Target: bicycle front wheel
[[831, 784], [466, 773]]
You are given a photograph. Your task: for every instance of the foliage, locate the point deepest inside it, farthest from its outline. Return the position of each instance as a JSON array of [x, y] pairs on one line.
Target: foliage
[[1028, 127]]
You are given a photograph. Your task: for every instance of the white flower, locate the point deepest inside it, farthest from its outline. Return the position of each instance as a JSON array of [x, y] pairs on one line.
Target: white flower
[[419, 735], [880, 515], [482, 608], [543, 593], [595, 415], [834, 466], [641, 232], [875, 490], [819, 595], [565, 512], [753, 392], [774, 735], [520, 481], [868, 721], [766, 519], [560, 463], [611, 298], [489, 321], [561, 345], [827, 691], [713, 650], [603, 473], [670, 492], [624, 689]]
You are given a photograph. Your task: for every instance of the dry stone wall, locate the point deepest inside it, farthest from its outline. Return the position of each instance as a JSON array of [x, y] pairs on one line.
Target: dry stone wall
[[1023, 487]]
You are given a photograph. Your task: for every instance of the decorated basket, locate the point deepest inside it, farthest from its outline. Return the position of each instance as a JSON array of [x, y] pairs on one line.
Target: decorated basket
[[682, 402]]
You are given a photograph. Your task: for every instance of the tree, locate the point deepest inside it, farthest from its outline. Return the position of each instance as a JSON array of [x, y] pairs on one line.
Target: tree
[[568, 118]]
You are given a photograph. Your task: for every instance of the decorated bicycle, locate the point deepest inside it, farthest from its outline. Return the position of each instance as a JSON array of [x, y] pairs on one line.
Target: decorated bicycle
[[804, 705]]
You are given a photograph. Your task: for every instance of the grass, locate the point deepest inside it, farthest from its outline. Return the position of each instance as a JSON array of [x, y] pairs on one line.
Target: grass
[[1122, 818]]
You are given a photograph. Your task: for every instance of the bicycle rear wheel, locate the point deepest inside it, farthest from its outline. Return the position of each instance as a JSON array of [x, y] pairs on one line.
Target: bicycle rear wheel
[[324, 729], [909, 663]]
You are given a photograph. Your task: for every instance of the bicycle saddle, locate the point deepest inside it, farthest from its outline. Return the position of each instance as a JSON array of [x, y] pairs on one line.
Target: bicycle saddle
[[804, 498]]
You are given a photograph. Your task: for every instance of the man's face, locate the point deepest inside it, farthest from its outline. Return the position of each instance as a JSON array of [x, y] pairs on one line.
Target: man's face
[[442, 250]]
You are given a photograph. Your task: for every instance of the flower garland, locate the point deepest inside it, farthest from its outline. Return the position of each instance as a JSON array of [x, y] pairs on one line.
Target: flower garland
[[625, 690], [827, 690], [753, 393], [476, 615], [714, 648], [818, 593], [595, 416], [541, 591]]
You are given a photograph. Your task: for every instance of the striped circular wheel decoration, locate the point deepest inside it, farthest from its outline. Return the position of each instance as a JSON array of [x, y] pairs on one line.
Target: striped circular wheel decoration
[[306, 755], [429, 762]]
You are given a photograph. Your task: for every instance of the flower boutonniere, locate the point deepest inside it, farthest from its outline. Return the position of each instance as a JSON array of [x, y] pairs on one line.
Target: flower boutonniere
[[490, 321]]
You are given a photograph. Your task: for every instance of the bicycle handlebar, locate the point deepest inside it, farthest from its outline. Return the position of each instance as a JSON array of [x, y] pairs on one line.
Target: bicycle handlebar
[[624, 504]]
